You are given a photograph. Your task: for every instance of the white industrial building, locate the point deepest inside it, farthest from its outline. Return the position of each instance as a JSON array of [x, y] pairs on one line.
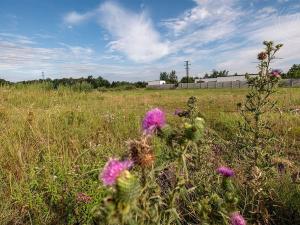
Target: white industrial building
[[156, 82]]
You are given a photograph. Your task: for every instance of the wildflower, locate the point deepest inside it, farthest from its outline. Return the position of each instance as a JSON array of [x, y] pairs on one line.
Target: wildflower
[[276, 73], [262, 56], [113, 169], [82, 197], [225, 171], [153, 120], [237, 219]]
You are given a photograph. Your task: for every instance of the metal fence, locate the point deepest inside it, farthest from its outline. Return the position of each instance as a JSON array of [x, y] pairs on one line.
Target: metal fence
[[225, 84], [162, 86]]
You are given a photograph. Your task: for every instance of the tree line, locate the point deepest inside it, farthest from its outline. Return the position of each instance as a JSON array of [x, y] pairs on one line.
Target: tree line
[[171, 78], [215, 74], [89, 82], [99, 82], [294, 72]]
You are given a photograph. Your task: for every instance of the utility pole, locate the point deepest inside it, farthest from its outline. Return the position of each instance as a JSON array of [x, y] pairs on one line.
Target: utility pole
[[187, 64], [43, 75]]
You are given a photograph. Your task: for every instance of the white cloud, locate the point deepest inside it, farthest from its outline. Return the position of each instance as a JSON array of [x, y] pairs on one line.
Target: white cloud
[[23, 61], [267, 10], [133, 34], [280, 30], [178, 25], [74, 18], [220, 34], [204, 14], [198, 38], [232, 39], [282, 1]]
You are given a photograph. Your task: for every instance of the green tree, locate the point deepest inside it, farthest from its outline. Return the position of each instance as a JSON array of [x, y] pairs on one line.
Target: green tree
[[164, 76], [185, 80], [4, 82], [294, 71], [173, 78], [216, 73]]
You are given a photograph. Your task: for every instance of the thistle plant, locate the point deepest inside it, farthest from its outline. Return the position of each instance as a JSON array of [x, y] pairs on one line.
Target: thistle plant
[[141, 191], [256, 133], [116, 208], [221, 204], [256, 130], [192, 128]]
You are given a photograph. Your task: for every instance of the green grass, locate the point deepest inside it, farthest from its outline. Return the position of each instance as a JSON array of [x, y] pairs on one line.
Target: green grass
[[53, 143]]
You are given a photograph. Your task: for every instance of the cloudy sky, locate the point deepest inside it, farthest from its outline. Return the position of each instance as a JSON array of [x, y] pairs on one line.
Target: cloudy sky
[[136, 39]]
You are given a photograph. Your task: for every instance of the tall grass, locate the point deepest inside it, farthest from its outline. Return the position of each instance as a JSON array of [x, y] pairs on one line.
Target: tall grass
[[53, 143]]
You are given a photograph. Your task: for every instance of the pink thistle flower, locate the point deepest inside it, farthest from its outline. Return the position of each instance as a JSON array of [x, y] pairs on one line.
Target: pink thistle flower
[[276, 73], [112, 171], [225, 171], [154, 119], [237, 219]]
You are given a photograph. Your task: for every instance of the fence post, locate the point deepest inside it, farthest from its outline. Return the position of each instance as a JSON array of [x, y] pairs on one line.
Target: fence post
[[216, 84], [231, 84], [291, 81], [239, 84]]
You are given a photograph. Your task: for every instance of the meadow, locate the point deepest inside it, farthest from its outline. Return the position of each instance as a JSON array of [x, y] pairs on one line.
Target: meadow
[[53, 143]]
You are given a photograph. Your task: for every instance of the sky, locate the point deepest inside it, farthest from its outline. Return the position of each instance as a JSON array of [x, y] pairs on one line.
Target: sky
[[137, 39]]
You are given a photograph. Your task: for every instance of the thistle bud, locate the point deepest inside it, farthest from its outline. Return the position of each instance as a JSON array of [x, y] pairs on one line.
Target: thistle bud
[[199, 122], [127, 187], [166, 131], [217, 200], [228, 185]]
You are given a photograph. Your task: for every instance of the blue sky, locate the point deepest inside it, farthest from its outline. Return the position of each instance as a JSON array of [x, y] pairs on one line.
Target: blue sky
[[137, 39]]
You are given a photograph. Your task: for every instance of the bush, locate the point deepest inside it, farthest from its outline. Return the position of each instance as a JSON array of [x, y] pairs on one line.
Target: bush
[[84, 86]]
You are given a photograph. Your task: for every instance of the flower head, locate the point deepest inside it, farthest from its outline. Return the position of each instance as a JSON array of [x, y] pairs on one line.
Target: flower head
[[153, 119], [237, 219], [141, 152], [225, 171], [276, 73], [113, 169], [262, 56]]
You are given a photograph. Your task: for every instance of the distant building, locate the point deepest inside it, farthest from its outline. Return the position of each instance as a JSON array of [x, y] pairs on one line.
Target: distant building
[[156, 82], [224, 79]]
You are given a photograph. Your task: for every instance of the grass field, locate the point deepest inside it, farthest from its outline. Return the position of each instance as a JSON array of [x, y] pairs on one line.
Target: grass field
[[55, 142]]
